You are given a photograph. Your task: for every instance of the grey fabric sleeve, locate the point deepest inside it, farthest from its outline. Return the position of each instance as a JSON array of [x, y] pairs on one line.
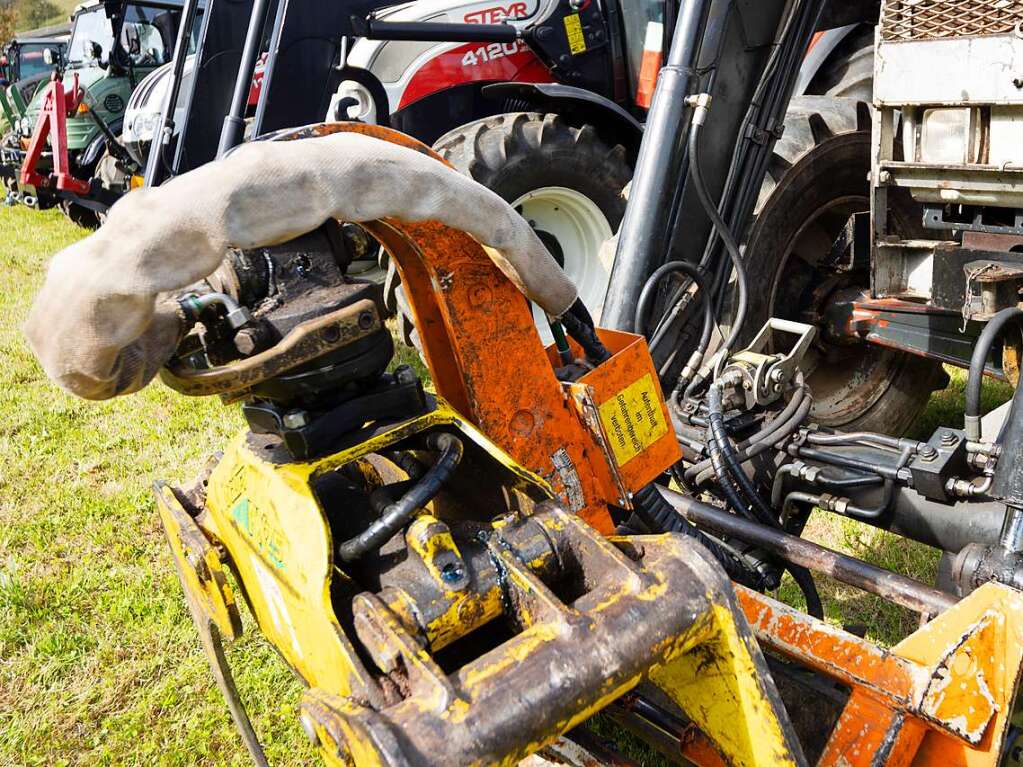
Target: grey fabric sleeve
[[102, 325]]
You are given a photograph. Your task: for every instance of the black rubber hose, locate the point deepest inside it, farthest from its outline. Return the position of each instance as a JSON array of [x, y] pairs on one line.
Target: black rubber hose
[[978, 362], [396, 515], [659, 515], [723, 231], [728, 467], [721, 444], [783, 424], [579, 324], [804, 580], [649, 289], [863, 480]]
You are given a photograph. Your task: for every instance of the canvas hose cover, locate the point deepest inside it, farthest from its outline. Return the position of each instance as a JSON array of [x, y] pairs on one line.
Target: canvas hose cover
[[104, 322]]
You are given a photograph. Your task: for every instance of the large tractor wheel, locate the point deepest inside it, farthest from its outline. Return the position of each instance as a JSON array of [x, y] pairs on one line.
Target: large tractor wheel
[[849, 71], [816, 180], [563, 179]]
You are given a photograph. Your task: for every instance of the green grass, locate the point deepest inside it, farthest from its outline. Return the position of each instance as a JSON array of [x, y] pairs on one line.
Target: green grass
[[99, 662]]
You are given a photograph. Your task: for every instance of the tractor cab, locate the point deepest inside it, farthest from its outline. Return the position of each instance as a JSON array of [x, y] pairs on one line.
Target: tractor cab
[[25, 63]]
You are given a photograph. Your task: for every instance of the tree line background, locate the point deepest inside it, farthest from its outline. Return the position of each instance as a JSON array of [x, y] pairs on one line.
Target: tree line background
[[20, 15]]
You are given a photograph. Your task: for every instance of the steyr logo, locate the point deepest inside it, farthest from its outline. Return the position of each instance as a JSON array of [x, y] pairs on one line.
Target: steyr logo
[[497, 14]]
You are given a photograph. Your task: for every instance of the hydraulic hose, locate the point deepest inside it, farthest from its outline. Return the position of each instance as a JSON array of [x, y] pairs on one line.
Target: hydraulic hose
[[659, 515], [731, 246], [978, 362], [691, 271], [727, 467], [580, 326], [781, 426], [721, 446], [706, 300], [398, 514]]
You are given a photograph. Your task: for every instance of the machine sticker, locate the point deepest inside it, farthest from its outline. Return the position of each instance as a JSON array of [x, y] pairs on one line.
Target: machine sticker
[[276, 605], [260, 531], [574, 30], [633, 419], [571, 487]]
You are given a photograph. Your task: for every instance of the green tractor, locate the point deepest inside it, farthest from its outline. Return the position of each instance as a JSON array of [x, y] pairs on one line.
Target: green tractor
[[26, 61], [114, 44]]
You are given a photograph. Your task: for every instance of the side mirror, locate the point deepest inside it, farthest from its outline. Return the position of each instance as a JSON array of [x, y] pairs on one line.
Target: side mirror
[[49, 56]]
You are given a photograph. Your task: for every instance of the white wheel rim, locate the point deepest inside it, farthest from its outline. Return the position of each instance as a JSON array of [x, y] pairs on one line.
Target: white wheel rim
[[581, 228]]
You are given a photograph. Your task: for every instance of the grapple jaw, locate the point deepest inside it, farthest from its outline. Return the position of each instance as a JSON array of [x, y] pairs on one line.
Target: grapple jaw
[[488, 640]]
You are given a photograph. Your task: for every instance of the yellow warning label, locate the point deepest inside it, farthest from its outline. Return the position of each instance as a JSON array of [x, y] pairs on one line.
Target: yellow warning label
[[633, 419], [574, 30]]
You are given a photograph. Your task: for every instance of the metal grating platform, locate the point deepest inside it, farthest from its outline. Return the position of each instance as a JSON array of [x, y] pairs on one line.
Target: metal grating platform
[[937, 19]]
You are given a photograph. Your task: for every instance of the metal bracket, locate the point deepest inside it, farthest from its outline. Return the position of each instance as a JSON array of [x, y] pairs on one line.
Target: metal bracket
[[765, 376]]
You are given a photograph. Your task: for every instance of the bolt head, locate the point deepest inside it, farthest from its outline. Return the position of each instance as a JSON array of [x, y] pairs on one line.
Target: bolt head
[[949, 439], [295, 419], [366, 320], [246, 341]]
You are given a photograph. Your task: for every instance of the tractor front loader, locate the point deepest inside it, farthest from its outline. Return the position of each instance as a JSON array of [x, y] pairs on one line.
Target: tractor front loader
[[465, 576]]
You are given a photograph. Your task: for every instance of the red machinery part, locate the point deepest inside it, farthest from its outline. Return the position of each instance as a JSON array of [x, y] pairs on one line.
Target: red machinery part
[[58, 105]]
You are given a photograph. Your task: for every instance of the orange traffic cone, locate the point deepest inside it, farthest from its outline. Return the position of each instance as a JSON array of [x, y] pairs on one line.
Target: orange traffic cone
[[651, 64]]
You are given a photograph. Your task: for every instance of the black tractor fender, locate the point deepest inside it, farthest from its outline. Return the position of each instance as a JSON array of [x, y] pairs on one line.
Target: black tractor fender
[[613, 123], [91, 154]]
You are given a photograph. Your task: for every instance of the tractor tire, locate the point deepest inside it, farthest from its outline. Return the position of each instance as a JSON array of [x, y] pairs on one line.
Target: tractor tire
[[817, 178], [564, 179], [849, 71]]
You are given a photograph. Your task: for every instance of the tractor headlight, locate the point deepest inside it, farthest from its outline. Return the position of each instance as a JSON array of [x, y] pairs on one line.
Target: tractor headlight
[[144, 126], [949, 136]]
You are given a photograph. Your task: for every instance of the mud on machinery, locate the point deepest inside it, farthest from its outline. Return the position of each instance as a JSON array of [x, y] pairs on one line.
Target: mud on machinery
[[467, 577]]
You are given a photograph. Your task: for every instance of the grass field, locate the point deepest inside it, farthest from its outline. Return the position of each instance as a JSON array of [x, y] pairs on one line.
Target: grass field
[[99, 662]]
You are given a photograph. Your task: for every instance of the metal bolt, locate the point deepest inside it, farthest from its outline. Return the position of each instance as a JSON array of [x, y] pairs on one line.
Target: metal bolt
[[246, 341], [777, 375], [404, 374], [295, 419], [366, 320], [949, 439], [451, 572], [309, 728]]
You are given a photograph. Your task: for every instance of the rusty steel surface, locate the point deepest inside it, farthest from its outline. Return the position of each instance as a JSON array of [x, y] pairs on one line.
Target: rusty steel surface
[[308, 341], [875, 580], [588, 632], [942, 696]]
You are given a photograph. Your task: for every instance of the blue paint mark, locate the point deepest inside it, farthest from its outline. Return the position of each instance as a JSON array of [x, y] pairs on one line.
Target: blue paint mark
[[273, 554], [240, 512]]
